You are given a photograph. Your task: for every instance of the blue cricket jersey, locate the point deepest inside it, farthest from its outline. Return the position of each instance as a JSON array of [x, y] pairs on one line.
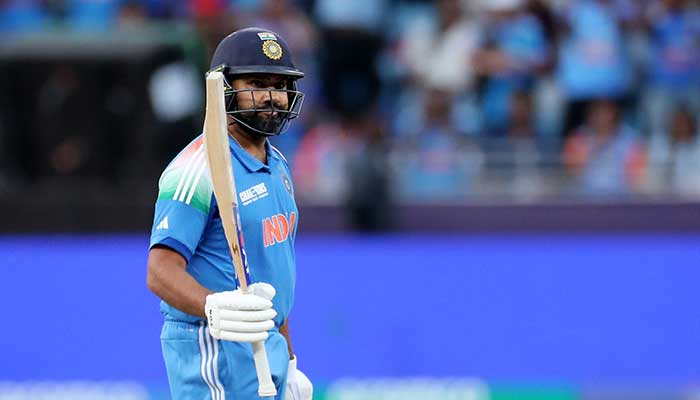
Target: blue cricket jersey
[[187, 221]]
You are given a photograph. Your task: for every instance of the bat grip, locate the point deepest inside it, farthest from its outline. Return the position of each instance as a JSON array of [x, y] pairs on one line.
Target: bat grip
[[266, 387]]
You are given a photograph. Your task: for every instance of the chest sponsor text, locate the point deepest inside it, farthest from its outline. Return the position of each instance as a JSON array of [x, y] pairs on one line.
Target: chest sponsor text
[[252, 194], [278, 228]]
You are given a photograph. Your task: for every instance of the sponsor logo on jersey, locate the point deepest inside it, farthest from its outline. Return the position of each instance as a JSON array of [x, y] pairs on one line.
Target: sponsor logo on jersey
[[252, 194], [163, 224], [278, 228]]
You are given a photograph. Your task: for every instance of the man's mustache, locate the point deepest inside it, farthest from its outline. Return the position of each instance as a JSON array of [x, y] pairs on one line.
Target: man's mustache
[[271, 107]]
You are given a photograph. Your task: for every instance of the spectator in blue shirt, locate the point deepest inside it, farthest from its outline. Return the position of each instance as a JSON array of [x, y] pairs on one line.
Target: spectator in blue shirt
[[513, 52], [592, 60], [674, 65], [675, 155], [604, 155]]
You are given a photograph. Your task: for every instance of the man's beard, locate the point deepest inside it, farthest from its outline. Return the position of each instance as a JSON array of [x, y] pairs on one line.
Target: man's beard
[[271, 125]]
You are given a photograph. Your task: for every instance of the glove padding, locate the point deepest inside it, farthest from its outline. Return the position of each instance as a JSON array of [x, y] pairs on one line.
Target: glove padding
[[299, 387], [239, 317]]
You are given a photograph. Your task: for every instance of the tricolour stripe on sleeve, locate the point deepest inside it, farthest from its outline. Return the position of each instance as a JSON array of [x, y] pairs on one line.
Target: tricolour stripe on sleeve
[[187, 179], [193, 188], [188, 173]]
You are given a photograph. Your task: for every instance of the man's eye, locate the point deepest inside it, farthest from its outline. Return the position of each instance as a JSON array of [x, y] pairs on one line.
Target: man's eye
[[256, 83], [280, 85]]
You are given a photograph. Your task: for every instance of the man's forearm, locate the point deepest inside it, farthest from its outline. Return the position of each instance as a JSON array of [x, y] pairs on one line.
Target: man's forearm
[[168, 279], [284, 331]]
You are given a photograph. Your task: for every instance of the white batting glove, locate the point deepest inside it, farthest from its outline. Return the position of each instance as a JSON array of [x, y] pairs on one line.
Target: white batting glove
[[299, 387], [239, 317]]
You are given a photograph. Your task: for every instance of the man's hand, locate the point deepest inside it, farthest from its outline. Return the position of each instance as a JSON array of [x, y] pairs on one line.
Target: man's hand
[[239, 317], [299, 387]]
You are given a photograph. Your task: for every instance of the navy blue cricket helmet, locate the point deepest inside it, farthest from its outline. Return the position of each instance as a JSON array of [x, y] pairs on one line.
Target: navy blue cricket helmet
[[258, 51]]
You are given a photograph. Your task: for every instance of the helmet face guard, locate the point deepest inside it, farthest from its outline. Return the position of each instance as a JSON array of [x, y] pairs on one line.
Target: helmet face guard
[[251, 119]]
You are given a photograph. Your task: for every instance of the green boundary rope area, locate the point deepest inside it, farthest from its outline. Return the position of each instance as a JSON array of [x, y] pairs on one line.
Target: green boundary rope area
[[532, 393], [443, 389]]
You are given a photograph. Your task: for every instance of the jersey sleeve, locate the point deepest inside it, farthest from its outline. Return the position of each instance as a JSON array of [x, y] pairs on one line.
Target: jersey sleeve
[[184, 201]]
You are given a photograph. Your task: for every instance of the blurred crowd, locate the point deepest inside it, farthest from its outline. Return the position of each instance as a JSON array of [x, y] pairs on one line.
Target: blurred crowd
[[441, 100]]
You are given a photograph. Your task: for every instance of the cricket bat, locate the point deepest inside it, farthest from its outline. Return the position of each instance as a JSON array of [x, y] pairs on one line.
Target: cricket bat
[[219, 157]]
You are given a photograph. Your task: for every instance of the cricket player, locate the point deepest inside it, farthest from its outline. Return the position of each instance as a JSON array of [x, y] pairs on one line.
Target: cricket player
[[189, 264]]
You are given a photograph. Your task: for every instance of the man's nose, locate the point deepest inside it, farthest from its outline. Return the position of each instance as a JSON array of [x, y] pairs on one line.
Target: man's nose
[[274, 97]]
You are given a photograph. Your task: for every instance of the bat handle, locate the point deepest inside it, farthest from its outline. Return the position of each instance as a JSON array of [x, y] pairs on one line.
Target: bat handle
[[266, 387]]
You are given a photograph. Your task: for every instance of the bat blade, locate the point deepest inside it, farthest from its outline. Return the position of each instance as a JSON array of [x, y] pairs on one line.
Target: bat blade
[[219, 159], [216, 145]]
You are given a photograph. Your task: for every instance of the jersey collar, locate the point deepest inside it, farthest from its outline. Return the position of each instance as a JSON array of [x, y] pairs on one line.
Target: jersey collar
[[251, 163]]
